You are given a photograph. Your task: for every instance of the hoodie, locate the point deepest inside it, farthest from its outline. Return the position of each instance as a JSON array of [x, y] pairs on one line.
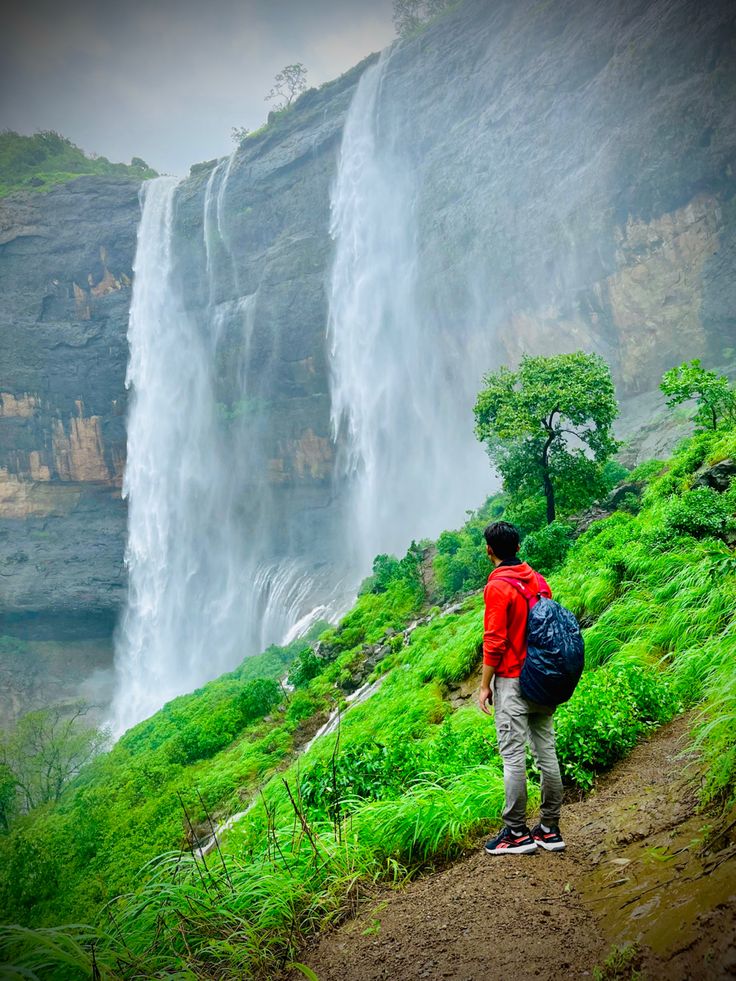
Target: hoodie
[[504, 624]]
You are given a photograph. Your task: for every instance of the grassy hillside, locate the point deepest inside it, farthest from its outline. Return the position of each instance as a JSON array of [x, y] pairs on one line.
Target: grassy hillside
[[37, 163], [411, 776]]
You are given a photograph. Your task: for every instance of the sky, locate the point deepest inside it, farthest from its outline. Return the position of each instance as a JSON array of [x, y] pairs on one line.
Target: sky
[[166, 80]]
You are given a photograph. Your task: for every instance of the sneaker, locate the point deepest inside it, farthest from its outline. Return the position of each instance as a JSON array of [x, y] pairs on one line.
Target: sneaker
[[549, 837], [510, 842]]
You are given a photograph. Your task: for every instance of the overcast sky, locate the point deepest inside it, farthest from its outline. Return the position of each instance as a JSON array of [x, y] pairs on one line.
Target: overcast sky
[[167, 80]]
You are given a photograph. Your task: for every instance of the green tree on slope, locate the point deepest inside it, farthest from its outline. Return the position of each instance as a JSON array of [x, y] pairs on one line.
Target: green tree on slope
[[716, 398], [46, 749], [290, 82], [548, 427]]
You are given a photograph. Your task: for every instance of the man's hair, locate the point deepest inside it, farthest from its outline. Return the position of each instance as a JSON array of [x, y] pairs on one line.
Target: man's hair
[[503, 539]]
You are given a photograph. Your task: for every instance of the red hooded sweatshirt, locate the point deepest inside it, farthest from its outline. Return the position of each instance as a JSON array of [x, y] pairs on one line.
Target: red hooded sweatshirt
[[504, 625]]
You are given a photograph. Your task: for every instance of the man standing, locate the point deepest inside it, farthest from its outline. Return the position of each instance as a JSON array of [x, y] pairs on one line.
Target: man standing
[[512, 588]]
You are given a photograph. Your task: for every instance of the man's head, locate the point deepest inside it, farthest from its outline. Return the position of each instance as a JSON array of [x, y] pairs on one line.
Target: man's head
[[502, 541]]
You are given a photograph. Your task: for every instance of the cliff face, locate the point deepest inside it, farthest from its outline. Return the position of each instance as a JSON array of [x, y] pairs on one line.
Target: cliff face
[[571, 177], [65, 275]]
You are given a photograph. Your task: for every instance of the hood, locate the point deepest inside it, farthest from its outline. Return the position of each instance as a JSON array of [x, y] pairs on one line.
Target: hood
[[523, 572]]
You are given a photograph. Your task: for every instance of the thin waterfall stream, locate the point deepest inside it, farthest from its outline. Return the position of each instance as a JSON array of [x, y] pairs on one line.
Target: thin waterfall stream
[[205, 587]]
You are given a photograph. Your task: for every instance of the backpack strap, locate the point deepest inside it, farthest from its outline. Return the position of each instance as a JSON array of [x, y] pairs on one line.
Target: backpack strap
[[521, 588]]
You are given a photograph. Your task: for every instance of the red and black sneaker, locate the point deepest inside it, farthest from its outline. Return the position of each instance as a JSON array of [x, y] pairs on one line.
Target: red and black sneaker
[[549, 837], [510, 842]]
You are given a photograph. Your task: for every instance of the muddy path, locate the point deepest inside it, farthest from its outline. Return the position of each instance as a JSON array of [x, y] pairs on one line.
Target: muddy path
[[642, 867]]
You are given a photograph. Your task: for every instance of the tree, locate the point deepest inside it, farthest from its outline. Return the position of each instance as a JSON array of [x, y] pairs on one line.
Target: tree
[[716, 398], [43, 753], [411, 15], [239, 134], [290, 82], [548, 428]]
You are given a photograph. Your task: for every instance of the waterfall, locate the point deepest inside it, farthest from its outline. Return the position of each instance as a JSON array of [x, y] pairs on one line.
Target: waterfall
[[228, 550], [205, 585], [402, 385]]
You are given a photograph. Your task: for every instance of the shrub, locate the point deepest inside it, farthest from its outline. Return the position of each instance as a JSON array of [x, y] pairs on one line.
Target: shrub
[[305, 667], [614, 473], [547, 548], [698, 512], [258, 698], [647, 470], [611, 708], [301, 705]]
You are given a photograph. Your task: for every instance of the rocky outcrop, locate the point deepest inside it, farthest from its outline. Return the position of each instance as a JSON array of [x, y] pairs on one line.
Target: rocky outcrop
[[65, 274], [718, 477]]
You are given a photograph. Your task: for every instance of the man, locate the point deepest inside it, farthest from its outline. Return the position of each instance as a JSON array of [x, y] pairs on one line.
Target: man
[[517, 721]]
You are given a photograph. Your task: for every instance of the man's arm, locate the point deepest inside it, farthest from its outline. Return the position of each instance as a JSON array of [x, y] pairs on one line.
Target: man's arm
[[495, 640], [485, 697]]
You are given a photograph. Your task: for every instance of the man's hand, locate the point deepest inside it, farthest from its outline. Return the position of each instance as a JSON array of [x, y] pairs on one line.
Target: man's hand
[[485, 699]]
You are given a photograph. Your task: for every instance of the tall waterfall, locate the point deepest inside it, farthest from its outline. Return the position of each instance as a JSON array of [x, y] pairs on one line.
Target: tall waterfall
[[204, 588], [402, 384], [228, 549]]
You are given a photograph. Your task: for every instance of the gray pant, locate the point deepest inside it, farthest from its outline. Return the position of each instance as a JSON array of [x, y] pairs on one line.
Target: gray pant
[[519, 722]]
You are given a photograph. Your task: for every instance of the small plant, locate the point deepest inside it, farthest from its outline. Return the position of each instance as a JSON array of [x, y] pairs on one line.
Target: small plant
[[240, 134], [410, 16], [620, 965]]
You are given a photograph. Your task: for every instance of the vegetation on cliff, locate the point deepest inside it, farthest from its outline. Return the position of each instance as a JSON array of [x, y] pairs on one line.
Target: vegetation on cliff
[[39, 162], [411, 774]]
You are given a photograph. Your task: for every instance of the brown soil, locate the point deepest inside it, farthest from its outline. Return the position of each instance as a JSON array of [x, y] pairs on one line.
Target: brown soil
[[641, 867]]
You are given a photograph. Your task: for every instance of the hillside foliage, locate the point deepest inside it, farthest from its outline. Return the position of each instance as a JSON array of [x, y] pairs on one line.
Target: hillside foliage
[[39, 162], [411, 775]]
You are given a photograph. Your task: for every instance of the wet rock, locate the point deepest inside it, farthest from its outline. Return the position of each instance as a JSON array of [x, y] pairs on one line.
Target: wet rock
[[718, 477], [630, 488], [583, 521]]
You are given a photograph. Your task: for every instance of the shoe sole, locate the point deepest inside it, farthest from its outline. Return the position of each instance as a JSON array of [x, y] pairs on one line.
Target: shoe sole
[[512, 850], [556, 846]]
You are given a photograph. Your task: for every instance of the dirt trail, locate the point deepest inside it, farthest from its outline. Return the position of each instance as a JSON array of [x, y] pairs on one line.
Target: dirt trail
[[635, 871]]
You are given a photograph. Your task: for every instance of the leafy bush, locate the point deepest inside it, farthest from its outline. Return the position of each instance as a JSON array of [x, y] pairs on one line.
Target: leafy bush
[[631, 503], [361, 773], [647, 470], [257, 699], [305, 667], [547, 548], [606, 716], [301, 705], [698, 512], [527, 513], [613, 473], [461, 563]]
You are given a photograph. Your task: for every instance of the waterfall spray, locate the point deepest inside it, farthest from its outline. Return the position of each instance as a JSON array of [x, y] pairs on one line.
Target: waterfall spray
[[401, 391], [205, 587]]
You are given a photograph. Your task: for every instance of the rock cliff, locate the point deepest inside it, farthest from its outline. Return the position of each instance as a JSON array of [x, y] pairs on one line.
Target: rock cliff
[[65, 274], [572, 167]]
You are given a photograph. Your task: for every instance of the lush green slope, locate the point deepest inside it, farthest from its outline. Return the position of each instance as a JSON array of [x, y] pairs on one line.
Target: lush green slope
[[36, 163], [410, 776]]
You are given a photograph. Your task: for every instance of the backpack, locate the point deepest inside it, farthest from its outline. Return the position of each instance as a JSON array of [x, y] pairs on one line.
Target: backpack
[[555, 650]]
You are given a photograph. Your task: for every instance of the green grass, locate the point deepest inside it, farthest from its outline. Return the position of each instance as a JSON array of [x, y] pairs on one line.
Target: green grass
[[40, 162], [406, 780]]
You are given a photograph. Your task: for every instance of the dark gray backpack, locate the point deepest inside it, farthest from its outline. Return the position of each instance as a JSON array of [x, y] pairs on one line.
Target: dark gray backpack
[[555, 649]]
